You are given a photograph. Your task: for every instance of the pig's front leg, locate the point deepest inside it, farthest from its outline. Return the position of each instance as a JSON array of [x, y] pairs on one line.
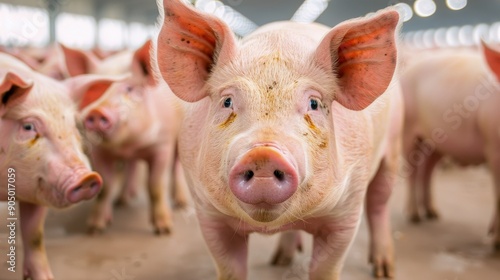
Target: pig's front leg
[[229, 249], [180, 186], [289, 242], [36, 265], [160, 173], [377, 210], [430, 209], [494, 162], [102, 210], [330, 246], [130, 185]]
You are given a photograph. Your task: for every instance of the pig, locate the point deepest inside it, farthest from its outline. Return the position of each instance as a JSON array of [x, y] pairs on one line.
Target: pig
[[288, 129], [452, 99], [136, 120], [41, 151]]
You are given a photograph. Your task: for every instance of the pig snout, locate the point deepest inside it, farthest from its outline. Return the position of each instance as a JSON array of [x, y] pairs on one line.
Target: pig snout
[[99, 120], [263, 176], [85, 188]]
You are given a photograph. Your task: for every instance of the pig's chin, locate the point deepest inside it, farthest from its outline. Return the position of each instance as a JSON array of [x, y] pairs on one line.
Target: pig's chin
[[263, 213]]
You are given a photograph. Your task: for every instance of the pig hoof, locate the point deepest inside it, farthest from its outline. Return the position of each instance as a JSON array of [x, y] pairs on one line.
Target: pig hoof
[[162, 231], [281, 259], [93, 231], [122, 202], [432, 215], [415, 219], [383, 270]]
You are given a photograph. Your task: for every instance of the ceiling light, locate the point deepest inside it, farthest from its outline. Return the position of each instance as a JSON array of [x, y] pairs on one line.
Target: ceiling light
[[440, 37], [452, 36], [424, 8], [405, 11], [456, 4]]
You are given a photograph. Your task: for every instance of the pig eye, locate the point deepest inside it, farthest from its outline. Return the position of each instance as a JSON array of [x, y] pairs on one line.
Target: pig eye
[[129, 89], [228, 102], [313, 104], [29, 127]]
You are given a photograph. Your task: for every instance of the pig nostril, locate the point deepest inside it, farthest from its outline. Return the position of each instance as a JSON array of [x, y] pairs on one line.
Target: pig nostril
[[104, 120], [90, 119], [248, 175], [75, 190], [280, 175]]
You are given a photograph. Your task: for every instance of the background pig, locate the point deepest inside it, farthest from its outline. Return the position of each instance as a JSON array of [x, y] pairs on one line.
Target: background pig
[[452, 100], [289, 129], [41, 143], [136, 120]]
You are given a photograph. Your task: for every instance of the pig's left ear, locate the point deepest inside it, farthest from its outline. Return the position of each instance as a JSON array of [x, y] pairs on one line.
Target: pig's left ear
[[13, 88], [85, 89], [492, 57], [362, 54], [141, 63]]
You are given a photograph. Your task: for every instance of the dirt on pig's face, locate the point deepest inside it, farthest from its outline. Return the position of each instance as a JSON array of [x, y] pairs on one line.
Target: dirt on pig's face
[[282, 102]]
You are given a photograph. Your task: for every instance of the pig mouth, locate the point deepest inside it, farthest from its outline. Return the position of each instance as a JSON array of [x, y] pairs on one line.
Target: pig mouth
[[263, 212]]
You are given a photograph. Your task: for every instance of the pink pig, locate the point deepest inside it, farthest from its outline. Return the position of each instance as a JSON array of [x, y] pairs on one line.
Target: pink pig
[[41, 151], [137, 119], [289, 129], [452, 99]]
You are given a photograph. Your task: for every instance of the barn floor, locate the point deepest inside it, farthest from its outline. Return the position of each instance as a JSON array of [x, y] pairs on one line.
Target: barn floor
[[454, 248]]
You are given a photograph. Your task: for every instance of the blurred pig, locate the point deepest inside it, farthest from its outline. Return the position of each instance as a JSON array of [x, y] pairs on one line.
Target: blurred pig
[[41, 150], [452, 99], [289, 129], [137, 119]]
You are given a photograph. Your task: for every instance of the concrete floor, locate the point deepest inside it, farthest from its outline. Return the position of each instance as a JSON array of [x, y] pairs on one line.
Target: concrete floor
[[454, 248]]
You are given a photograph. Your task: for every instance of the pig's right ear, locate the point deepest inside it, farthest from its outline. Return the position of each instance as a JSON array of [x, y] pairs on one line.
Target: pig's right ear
[[86, 89], [78, 62], [190, 45], [492, 58], [13, 88]]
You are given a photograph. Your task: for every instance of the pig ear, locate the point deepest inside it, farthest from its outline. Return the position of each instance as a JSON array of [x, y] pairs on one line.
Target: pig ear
[[13, 88], [78, 62], [141, 63], [362, 54], [85, 89], [492, 57], [190, 45]]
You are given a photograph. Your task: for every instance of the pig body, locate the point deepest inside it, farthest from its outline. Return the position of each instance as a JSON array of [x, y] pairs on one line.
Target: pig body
[[137, 120], [452, 100], [42, 151], [268, 147]]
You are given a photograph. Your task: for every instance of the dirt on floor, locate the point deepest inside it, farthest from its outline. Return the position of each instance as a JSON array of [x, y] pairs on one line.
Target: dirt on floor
[[456, 247]]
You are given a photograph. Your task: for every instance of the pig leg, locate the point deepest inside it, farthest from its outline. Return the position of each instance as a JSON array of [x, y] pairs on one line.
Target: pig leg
[[36, 265], [130, 187], [377, 210], [289, 242], [414, 159], [229, 249], [494, 162], [180, 186], [428, 200], [330, 247], [102, 210], [160, 175]]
